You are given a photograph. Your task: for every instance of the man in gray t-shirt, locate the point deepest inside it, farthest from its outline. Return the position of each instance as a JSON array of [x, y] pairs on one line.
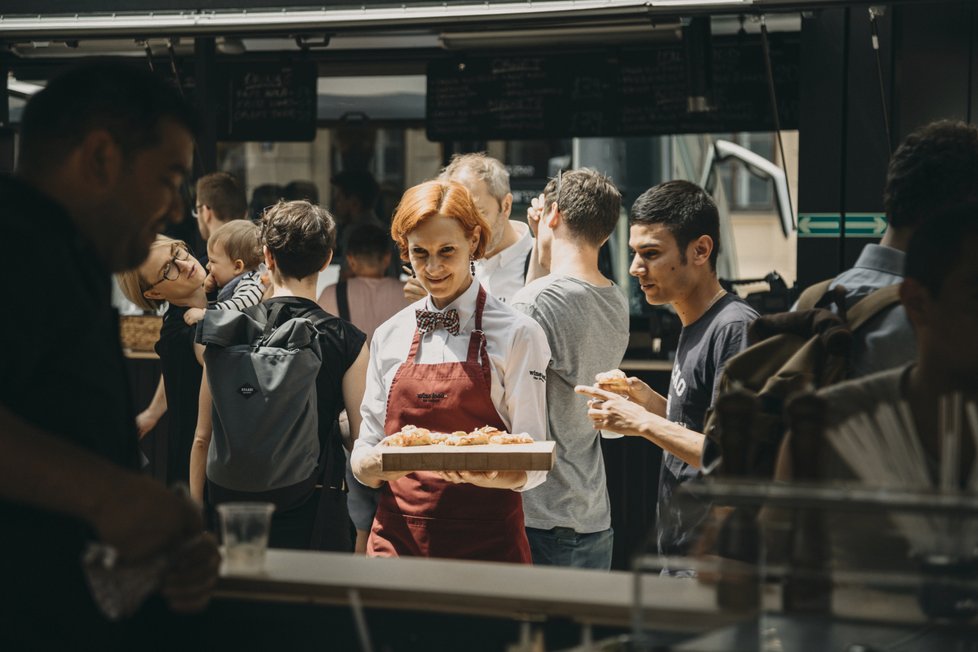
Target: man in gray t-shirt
[[585, 316]]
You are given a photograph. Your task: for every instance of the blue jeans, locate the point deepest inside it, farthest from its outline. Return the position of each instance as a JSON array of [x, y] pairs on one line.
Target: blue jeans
[[562, 546]]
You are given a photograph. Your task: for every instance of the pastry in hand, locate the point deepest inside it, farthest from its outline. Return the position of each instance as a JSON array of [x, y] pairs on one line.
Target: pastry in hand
[[613, 381]]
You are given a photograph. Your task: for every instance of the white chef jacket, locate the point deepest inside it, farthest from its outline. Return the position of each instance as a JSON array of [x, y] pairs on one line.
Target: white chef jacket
[[518, 357], [503, 275]]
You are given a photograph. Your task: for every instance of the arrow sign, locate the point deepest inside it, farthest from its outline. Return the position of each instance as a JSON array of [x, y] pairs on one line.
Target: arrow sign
[[827, 225]]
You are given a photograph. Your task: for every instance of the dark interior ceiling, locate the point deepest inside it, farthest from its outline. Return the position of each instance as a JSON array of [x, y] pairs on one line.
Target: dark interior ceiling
[[354, 38]]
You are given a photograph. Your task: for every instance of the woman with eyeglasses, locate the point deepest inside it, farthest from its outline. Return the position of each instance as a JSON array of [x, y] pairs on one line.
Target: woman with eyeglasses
[[171, 275], [457, 359]]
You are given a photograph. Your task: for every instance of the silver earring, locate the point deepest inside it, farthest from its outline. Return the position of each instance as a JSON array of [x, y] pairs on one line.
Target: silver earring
[[472, 266]]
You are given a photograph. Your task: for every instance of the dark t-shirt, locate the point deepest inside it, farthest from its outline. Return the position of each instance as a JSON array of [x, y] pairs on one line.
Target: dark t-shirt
[[340, 342], [181, 379], [704, 347], [62, 371]]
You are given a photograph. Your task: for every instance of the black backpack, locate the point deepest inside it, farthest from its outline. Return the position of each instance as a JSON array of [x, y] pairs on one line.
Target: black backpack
[[263, 387]]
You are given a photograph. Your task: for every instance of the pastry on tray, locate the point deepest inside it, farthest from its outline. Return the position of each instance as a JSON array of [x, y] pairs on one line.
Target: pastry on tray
[[414, 436]]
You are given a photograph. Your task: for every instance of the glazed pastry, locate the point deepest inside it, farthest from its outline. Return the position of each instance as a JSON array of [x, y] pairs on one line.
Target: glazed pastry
[[613, 381]]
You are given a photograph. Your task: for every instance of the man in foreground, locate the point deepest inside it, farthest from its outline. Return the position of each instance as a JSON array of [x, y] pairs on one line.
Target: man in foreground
[[104, 150]]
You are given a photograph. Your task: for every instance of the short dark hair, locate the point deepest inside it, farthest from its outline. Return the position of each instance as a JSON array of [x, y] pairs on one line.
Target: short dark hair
[[300, 236], [128, 101], [265, 196], [938, 246], [360, 184], [369, 241], [589, 203], [223, 194], [935, 168], [298, 189], [685, 209]]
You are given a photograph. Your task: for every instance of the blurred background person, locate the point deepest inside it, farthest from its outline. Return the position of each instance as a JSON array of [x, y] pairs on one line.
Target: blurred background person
[[264, 196], [354, 202], [301, 190], [220, 199], [366, 298]]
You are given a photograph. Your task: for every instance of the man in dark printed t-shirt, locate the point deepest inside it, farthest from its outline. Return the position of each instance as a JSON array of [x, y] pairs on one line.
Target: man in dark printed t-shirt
[[675, 235]]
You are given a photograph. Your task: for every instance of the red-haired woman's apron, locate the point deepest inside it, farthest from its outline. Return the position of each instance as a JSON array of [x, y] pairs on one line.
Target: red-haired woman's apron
[[422, 515]]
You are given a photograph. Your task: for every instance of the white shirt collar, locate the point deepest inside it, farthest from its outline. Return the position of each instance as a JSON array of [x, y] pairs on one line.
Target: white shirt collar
[[516, 250]]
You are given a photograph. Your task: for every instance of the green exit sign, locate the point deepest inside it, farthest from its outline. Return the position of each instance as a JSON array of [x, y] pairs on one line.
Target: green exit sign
[[828, 225]]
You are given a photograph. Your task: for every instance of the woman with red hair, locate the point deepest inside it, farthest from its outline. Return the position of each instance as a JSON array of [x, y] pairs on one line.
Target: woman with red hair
[[456, 360]]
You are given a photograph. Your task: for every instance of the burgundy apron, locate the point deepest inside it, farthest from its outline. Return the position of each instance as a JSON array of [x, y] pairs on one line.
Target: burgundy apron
[[421, 515]]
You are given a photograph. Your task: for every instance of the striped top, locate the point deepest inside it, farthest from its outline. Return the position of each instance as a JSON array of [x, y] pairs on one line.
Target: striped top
[[248, 291]]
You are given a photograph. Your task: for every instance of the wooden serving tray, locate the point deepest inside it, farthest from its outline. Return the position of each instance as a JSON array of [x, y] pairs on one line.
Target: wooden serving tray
[[538, 456]]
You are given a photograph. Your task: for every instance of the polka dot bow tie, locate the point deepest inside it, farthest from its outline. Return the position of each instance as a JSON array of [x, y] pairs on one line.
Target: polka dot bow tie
[[429, 320]]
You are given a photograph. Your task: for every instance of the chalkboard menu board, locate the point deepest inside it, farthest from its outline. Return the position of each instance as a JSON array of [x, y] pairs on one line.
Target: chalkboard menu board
[[267, 102], [622, 93]]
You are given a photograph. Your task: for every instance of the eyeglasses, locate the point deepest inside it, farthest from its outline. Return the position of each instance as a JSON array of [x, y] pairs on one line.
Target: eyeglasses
[[171, 272], [196, 210]]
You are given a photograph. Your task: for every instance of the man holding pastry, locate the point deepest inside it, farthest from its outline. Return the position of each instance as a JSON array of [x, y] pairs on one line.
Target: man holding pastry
[[675, 239]]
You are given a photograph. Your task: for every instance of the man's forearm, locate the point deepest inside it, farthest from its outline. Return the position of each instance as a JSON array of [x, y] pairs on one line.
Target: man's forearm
[[673, 438], [657, 404]]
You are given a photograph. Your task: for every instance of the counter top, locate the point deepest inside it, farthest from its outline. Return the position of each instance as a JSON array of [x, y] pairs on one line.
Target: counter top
[[527, 592], [482, 588]]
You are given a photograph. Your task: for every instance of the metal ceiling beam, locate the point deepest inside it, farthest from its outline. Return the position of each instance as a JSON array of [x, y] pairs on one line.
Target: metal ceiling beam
[[427, 15]]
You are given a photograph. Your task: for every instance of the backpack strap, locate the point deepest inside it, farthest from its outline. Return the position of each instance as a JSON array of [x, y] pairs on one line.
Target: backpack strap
[[343, 300], [271, 319], [812, 294], [872, 304]]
